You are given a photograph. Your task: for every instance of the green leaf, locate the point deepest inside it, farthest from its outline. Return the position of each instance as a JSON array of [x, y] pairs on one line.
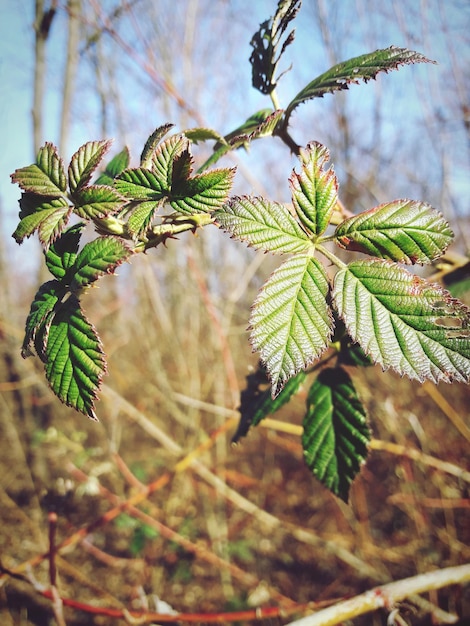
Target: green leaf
[[46, 177], [140, 184], [262, 224], [336, 435], [405, 231], [266, 41], [267, 126], [101, 256], [97, 201], [291, 323], [49, 220], [164, 156], [41, 312], [257, 404], [62, 253], [75, 361], [314, 189], [363, 67], [84, 162], [141, 216], [251, 124], [204, 134], [152, 143], [117, 165], [202, 193], [403, 322]]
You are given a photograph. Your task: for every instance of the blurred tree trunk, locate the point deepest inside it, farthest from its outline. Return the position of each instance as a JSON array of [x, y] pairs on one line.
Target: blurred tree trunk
[[70, 70], [42, 25]]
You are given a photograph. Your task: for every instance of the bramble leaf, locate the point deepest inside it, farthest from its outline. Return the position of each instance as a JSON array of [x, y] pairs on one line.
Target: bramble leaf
[[62, 253], [403, 322], [291, 323], [405, 231], [49, 220], [97, 201], [250, 125], [363, 67], [265, 42], [204, 134], [75, 361], [315, 189], [164, 156], [41, 312], [140, 184], [335, 433], [46, 177], [141, 216], [152, 143], [118, 164], [84, 162], [267, 126], [256, 404], [202, 193], [101, 256], [262, 224]]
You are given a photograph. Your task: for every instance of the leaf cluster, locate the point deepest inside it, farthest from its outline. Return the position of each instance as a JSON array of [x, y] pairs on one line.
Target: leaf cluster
[[122, 205], [371, 310]]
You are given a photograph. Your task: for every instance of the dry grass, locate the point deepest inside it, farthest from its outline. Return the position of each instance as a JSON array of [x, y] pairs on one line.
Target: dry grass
[[154, 502]]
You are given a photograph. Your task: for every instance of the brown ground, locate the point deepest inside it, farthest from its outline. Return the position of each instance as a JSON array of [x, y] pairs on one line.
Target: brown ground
[[273, 538]]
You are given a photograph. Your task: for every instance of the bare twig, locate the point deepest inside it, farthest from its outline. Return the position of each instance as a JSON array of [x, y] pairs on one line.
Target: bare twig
[[387, 596]]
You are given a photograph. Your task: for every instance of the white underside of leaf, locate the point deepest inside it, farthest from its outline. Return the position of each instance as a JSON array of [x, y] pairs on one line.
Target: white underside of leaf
[[403, 322], [291, 323]]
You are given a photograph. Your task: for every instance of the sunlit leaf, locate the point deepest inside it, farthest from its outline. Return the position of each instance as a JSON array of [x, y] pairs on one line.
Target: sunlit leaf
[[291, 323], [75, 361], [152, 143], [41, 312], [62, 253], [164, 156], [204, 134], [262, 224], [267, 126], [84, 162], [101, 256], [256, 404], [117, 165], [405, 231], [314, 189], [97, 201], [250, 125], [266, 42], [359, 68], [336, 435], [49, 220], [46, 177], [403, 322], [141, 216], [203, 193], [140, 184]]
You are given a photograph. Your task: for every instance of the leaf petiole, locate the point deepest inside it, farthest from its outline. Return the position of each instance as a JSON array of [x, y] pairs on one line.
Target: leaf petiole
[[331, 256]]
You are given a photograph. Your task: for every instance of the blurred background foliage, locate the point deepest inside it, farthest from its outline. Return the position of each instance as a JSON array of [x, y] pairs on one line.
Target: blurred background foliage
[[231, 527]]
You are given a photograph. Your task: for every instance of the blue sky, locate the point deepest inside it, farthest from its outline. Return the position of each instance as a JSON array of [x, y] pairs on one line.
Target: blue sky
[[409, 96]]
